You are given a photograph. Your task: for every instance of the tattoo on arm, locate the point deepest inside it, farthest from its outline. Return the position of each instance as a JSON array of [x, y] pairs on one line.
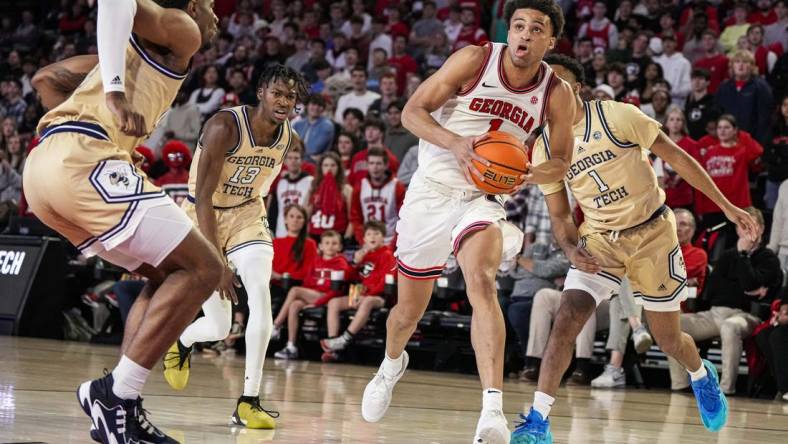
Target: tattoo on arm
[[65, 81]]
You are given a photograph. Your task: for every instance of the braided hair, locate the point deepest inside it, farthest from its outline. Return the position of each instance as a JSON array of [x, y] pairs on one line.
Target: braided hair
[[276, 71]]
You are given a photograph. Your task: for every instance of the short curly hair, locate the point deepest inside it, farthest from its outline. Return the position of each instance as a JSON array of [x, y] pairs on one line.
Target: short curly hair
[[548, 7]]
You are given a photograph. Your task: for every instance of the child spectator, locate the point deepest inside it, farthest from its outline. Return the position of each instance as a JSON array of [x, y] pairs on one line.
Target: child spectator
[[329, 198], [294, 253], [372, 263], [378, 197], [315, 291]]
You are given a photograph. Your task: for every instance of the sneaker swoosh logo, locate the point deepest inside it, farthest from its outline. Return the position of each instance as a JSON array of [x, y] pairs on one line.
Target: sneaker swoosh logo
[[484, 84]]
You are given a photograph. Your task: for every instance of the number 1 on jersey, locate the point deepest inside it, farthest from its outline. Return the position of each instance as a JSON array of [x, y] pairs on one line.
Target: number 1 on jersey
[[495, 124], [599, 182]]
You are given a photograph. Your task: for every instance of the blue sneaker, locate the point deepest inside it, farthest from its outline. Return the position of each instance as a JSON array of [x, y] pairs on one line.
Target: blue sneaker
[[712, 404], [533, 430]]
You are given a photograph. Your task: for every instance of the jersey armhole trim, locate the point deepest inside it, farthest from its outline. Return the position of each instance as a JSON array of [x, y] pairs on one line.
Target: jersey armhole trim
[[153, 63], [480, 73], [289, 130], [617, 142], [546, 140], [234, 149], [550, 85], [587, 133]]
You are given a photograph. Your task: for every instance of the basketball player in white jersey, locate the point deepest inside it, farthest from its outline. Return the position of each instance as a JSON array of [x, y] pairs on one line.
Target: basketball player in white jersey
[[81, 181], [239, 155], [292, 188], [503, 87]]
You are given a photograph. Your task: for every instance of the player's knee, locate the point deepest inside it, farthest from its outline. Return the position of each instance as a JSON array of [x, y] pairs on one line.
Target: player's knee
[[669, 342], [403, 318], [575, 309], [480, 283]]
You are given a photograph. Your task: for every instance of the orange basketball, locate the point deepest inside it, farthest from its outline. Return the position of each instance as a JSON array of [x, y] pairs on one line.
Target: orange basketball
[[508, 161]]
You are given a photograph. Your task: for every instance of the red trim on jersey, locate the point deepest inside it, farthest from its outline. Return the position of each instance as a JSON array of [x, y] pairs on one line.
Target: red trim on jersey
[[508, 86], [476, 226], [420, 274], [550, 85], [466, 91]]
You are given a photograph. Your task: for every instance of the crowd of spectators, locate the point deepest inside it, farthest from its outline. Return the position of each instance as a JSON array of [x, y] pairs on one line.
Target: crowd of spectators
[[713, 72]]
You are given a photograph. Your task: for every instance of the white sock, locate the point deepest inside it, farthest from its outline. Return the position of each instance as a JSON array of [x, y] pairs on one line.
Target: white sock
[[391, 366], [543, 403], [254, 270], [492, 399], [291, 346], [214, 326], [698, 374], [129, 378]]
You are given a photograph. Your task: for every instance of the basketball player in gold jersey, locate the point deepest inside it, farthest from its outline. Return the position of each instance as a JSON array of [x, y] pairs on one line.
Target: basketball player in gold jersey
[[240, 153], [81, 182], [628, 231]]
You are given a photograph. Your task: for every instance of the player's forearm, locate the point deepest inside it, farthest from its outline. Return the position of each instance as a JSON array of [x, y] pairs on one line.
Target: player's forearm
[[55, 82], [565, 233], [206, 221], [113, 29], [421, 124], [551, 171]]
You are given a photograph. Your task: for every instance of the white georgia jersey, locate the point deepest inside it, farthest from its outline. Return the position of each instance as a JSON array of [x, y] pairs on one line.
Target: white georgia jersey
[[489, 103], [288, 192], [381, 203]]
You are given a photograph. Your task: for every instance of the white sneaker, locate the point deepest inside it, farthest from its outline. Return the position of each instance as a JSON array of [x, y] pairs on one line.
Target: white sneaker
[[611, 378], [287, 353], [492, 428], [275, 334], [377, 395], [642, 340]]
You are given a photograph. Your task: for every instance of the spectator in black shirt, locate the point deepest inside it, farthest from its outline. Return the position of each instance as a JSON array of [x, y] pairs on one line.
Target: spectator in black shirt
[[701, 108], [749, 272]]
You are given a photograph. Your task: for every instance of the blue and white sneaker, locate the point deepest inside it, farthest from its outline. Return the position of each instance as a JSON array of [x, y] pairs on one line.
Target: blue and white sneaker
[[116, 420], [533, 430], [712, 404]]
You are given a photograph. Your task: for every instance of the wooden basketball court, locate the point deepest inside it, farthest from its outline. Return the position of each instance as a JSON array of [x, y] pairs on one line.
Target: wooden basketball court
[[319, 403]]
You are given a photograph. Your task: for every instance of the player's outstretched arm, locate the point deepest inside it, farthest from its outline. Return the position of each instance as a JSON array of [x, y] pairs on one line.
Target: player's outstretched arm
[[55, 82], [560, 117], [220, 135], [458, 71], [565, 232], [691, 171]]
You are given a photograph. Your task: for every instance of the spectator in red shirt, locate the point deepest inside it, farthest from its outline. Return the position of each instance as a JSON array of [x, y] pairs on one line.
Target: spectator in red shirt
[[471, 33], [599, 28], [177, 157], [372, 263], [395, 26], [764, 14], [329, 198], [378, 197], [678, 193], [294, 253], [316, 291], [73, 22], [728, 164], [374, 130], [713, 61], [765, 57], [402, 62], [695, 259]]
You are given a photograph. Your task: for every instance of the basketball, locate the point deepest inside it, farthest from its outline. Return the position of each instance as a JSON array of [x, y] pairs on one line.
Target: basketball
[[508, 161]]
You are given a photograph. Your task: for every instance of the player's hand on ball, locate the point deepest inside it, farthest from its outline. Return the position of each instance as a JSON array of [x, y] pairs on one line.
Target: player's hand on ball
[[583, 260], [744, 221], [227, 285], [463, 151], [129, 121]]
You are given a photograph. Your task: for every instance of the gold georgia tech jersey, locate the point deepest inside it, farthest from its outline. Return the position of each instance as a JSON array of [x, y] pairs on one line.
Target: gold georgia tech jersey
[[249, 169], [610, 174], [150, 88]]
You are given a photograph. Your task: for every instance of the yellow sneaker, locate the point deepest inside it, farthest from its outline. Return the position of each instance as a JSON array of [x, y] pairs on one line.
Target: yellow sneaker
[[251, 414], [177, 361]]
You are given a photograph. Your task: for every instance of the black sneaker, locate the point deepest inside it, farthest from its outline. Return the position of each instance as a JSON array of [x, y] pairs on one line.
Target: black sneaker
[[110, 415]]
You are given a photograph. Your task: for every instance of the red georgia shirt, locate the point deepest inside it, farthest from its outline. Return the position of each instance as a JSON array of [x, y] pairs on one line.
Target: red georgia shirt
[[284, 261], [373, 269], [728, 167]]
